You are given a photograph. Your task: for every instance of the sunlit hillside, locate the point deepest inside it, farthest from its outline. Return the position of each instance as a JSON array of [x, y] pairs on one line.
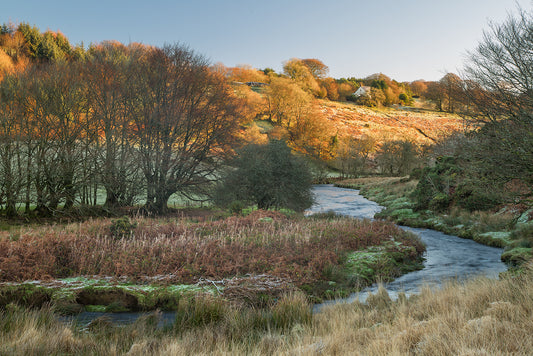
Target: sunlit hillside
[[420, 126]]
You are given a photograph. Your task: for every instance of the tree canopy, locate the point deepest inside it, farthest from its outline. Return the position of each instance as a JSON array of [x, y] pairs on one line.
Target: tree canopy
[[269, 176]]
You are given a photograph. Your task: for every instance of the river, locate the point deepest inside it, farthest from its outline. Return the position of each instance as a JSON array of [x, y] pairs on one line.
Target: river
[[447, 257]]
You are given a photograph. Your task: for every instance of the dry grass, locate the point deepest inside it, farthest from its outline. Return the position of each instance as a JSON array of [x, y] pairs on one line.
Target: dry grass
[[391, 124], [483, 317], [479, 317], [298, 249]]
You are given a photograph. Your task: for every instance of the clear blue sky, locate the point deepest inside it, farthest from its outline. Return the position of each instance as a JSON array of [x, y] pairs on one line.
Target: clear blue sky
[[405, 39]]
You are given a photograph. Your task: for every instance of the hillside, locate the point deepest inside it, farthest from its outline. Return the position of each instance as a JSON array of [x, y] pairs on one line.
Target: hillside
[[420, 126]]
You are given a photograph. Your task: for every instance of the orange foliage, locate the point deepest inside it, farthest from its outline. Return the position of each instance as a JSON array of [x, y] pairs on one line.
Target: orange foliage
[[253, 103], [243, 73], [253, 135], [6, 64]]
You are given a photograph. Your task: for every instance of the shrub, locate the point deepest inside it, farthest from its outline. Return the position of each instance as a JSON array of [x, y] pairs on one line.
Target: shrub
[[474, 198], [122, 227], [236, 207], [268, 176], [524, 234], [440, 202]]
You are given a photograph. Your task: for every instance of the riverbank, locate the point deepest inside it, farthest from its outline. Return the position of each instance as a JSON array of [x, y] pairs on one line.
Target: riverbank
[[145, 264], [479, 317], [483, 316], [510, 228]]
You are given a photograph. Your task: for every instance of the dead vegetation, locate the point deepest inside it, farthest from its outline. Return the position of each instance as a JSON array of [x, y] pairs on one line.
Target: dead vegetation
[[295, 249]]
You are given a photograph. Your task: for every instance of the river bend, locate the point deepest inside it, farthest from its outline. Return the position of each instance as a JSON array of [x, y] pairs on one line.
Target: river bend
[[447, 257]]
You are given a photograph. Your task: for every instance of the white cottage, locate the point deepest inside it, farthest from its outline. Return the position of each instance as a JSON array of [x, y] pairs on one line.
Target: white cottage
[[362, 91]]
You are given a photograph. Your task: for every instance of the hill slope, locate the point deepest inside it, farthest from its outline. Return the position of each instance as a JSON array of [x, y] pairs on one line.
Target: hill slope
[[422, 127]]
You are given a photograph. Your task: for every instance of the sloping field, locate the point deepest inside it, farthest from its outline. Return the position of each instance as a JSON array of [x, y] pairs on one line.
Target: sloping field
[[422, 127]]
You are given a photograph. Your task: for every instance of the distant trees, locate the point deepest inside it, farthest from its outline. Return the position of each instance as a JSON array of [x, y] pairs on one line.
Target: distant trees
[[435, 93], [418, 88], [354, 155], [397, 157]]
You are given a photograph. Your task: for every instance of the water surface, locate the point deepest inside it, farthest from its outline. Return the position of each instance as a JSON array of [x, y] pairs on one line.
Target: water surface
[[447, 257]]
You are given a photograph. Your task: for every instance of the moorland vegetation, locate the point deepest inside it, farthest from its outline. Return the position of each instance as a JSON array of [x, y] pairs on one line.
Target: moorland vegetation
[[98, 130]]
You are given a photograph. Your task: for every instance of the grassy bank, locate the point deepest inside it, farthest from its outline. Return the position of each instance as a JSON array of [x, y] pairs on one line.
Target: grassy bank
[[143, 264], [480, 317], [510, 227]]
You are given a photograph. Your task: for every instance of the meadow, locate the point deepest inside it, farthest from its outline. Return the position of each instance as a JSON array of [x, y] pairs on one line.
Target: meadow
[[386, 124], [251, 259]]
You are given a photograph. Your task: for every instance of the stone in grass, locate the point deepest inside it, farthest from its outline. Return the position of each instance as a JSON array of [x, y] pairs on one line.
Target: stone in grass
[[497, 238], [525, 218]]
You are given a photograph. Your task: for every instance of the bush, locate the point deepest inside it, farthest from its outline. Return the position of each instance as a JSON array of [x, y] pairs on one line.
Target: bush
[[440, 202], [236, 207], [475, 198], [268, 176], [435, 183], [122, 227]]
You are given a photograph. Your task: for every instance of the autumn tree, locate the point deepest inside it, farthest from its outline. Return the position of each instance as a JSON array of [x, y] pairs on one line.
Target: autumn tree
[[316, 67], [332, 88], [451, 89], [293, 109], [287, 102], [418, 88], [345, 90], [6, 64], [435, 93], [184, 116], [246, 73], [107, 71], [298, 71]]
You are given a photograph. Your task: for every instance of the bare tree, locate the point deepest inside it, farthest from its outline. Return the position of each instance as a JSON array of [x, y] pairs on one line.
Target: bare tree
[[499, 85], [107, 73], [59, 121], [185, 116], [499, 72], [11, 147]]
